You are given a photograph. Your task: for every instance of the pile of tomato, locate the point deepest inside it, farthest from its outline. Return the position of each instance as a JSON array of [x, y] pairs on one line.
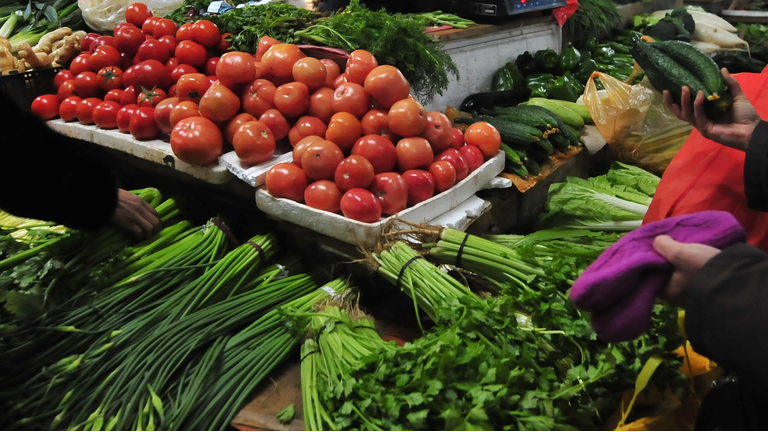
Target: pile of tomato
[[362, 145]]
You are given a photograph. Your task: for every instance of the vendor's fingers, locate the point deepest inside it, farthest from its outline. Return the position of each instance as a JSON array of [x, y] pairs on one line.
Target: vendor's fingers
[[685, 105], [732, 84], [666, 247], [671, 104], [698, 112], [146, 228]]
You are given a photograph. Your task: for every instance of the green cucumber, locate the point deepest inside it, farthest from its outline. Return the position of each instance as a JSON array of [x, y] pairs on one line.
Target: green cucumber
[[664, 72]]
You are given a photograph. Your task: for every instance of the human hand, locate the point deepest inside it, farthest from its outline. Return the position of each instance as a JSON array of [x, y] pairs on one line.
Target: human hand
[[734, 130], [688, 259], [135, 215]]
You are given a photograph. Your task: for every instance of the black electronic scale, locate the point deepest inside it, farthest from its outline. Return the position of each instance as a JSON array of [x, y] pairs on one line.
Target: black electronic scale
[[497, 8]]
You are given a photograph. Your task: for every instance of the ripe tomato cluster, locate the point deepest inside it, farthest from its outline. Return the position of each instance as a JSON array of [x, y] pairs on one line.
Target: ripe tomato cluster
[[362, 145]]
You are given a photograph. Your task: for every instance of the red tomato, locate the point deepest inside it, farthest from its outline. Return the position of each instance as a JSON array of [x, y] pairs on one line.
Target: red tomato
[[286, 180], [421, 185], [128, 39], [438, 132], [129, 96], [120, 26], [253, 143], [85, 110], [124, 117], [301, 147], [320, 159], [292, 99], [85, 44], [150, 97], [305, 127], [309, 71], [149, 74], [101, 41], [196, 141], [66, 89], [80, 64], [320, 104], [143, 125], [164, 27], [265, 43], [354, 172], [445, 175], [414, 153], [128, 76], [341, 79], [105, 114], [68, 108], [61, 76], [234, 68], [184, 32], [224, 44], [455, 158], [483, 136], [344, 130], [473, 156], [153, 50], [376, 122], [234, 124], [378, 150], [457, 138], [87, 85], [332, 71], [210, 65], [46, 106], [183, 110], [278, 62], [361, 205], [172, 63], [110, 78], [172, 91], [359, 64], [219, 103], [276, 122], [206, 33], [191, 53], [115, 95], [391, 191], [137, 13], [407, 118], [351, 98], [170, 43], [181, 70], [258, 97], [104, 56], [323, 195], [163, 113], [192, 87], [387, 85], [149, 25]]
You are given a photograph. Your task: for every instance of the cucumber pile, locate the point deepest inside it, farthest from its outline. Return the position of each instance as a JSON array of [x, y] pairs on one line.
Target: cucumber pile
[[533, 131]]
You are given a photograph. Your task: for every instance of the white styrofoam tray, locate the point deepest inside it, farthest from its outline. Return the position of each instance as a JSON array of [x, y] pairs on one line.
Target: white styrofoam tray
[[367, 234], [157, 150], [253, 175]]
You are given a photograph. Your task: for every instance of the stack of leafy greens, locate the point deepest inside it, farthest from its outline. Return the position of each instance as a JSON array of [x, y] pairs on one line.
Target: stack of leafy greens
[[616, 201], [394, 39], [593, 18]]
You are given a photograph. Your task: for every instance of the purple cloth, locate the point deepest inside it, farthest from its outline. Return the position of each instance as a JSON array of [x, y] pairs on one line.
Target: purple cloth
[[620, 287]]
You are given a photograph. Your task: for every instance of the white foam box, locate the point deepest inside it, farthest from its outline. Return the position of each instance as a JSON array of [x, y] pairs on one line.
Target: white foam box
[[367, 234], [254, 175], [157, 150]]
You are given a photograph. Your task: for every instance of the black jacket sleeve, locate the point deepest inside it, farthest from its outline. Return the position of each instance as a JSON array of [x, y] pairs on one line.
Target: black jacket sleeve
[[756, 169], [48, 176], [726, 318]]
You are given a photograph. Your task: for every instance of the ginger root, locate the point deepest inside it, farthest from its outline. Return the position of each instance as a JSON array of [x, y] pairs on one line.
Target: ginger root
[[34, 59], [45, 45], [10, 63], [69, 48]]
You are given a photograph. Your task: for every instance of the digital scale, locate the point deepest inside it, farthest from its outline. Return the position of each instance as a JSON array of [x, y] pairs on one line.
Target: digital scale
[[498, 8]]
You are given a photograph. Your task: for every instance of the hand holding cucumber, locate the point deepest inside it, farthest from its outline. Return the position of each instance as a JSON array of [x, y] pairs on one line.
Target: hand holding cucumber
[[735, 127]]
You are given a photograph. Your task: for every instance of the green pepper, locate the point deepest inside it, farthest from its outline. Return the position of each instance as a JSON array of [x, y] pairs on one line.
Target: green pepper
[[538, 90], [585, 70], [603, 54], [502, 80], [539, 78], [570, 58], [518, 79], [603, 67], [617, 47], [547, 59], [526, 63], [585, 55], [591, 44], [565, 88], [613, 70]]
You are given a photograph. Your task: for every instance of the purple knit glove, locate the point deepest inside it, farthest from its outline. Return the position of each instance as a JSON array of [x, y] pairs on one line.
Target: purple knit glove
[[620, 287]]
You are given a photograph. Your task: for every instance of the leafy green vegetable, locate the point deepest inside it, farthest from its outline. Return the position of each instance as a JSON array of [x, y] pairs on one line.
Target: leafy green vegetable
[[286, 414], [592, 18], [248, 24]]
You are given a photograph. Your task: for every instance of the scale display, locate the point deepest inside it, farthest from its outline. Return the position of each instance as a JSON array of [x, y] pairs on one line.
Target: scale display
[[502, 8]]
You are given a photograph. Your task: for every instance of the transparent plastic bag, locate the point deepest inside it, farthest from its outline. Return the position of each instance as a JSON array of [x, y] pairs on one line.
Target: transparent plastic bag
[[104, 15], [638, 127]]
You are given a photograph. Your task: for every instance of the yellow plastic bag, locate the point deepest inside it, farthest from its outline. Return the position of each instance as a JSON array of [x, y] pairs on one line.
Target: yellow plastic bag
[[639, 129]]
